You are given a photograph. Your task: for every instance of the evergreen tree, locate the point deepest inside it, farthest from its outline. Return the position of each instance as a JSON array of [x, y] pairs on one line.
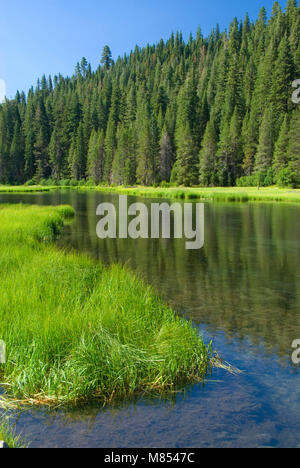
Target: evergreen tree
[[124, 166], [166, 157], [56, 154], [41, 125], [111, 134], [187, 107], [96, 157], [77, 155], [249, 143], [147, 147], [29, 141], [187, 161], [4, 146], [294, 143], [229, 151], [106, 59], [17, 154], [208, 156], [281, 88], [281, 148], [263, 159]]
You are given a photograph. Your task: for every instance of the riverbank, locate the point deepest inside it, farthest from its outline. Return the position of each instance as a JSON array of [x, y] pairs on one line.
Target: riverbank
[[24, 189], [216, 194], [75, 330]]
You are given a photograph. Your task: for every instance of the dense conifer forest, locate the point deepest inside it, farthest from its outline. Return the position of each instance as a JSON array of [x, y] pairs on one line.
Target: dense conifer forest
[[210, 111]]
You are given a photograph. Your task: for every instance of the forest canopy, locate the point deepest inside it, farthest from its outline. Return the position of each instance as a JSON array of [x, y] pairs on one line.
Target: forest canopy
[[214, 110]]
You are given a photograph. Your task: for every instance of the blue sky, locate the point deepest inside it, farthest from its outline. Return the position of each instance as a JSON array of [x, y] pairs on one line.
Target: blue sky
[[51, 36]]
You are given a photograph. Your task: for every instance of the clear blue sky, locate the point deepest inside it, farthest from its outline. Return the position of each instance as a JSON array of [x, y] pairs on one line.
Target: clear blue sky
[[50, 36]]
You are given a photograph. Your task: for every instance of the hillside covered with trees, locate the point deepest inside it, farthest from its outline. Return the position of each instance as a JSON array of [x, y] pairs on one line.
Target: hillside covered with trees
[[210, 111]]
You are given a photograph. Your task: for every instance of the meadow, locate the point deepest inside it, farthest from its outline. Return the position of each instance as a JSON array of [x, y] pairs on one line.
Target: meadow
[[76, 330], [23, 189], [215, 194]]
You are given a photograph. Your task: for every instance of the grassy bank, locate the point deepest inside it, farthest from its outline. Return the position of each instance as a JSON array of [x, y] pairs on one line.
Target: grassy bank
[[75, 330], [217, 194], [24, 189]]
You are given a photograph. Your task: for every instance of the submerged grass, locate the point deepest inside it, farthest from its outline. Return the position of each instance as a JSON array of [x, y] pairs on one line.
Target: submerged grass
[[75, 330], [8, 435]]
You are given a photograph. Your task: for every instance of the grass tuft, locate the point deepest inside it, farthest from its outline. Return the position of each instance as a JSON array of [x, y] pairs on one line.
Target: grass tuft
[[75, 330]]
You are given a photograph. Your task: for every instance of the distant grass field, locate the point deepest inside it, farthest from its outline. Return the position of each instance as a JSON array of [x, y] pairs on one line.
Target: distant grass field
[[24, 189], [75, 330], [216, 194]]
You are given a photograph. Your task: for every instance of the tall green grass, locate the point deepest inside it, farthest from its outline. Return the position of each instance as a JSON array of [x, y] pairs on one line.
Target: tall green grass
[[75, 330], [24, 189]]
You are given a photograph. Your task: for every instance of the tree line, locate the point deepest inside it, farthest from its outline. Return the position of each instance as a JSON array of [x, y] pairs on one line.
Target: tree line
[[210, 111]]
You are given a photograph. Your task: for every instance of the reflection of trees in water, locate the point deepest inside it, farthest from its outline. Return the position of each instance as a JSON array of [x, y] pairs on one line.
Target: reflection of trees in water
[[244, 281]]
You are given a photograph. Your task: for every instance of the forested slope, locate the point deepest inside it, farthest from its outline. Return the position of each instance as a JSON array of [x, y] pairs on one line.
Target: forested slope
[[207, 111]]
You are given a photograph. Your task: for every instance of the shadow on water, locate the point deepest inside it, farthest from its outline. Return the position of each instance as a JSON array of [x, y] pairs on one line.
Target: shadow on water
[[242, 290]]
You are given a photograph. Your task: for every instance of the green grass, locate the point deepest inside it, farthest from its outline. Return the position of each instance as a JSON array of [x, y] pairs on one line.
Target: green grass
[[24, 189], [75, 330], [216, 194], [7, 434]]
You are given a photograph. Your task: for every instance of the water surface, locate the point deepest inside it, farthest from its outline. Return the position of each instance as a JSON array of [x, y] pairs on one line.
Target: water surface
[[242, 290]]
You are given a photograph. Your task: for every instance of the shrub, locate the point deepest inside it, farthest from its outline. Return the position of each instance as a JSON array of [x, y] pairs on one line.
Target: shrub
[[287, 178], [43, 182], [65, 183], [247, 181], [261, 179], [269, 178], [48, 182], [82, 183], [30, 183]]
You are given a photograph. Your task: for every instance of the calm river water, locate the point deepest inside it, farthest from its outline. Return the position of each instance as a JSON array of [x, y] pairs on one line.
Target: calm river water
[[242, 290]]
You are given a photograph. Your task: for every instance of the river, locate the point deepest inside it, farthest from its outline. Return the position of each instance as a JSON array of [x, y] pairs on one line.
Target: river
[[242, 290]]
